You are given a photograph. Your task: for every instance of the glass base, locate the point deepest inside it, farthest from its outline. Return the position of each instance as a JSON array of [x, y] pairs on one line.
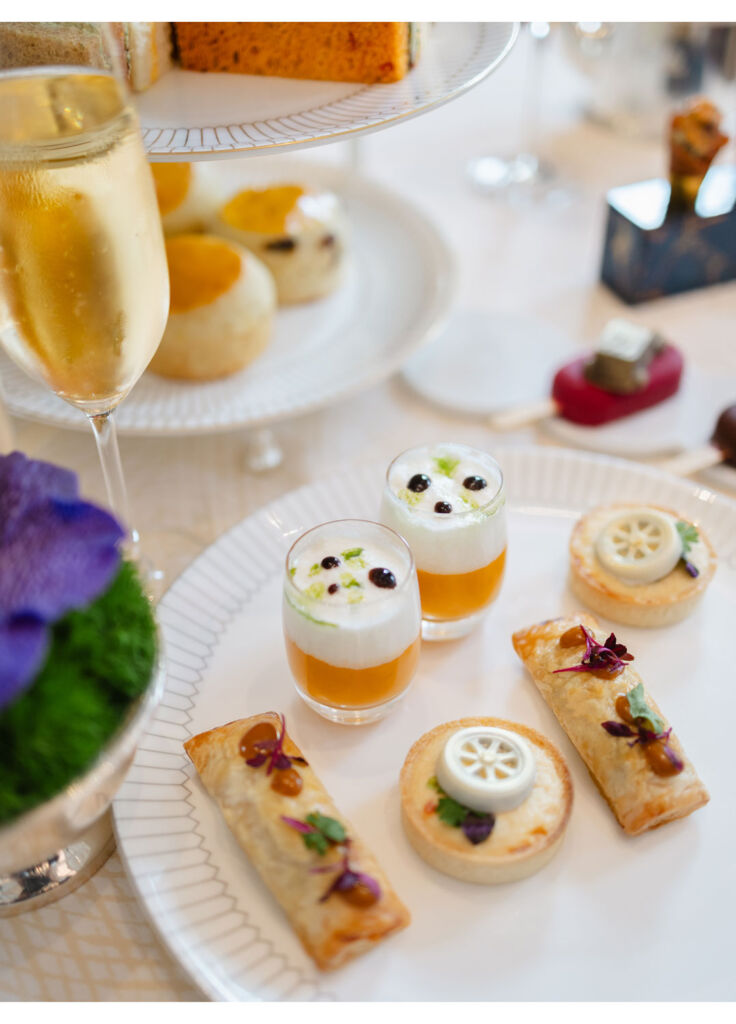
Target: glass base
[[351, 716], [62, 873], [451, 629]]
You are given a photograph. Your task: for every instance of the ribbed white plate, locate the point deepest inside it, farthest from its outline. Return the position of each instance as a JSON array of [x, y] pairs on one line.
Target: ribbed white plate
[[192, 115], [396, 292], [610, 918]]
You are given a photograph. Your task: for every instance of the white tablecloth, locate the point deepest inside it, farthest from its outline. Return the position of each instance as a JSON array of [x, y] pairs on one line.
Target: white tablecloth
[[543, 261]]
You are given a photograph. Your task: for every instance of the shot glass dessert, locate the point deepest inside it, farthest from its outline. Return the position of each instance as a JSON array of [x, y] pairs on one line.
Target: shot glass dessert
[[448, 502], [352, 619]]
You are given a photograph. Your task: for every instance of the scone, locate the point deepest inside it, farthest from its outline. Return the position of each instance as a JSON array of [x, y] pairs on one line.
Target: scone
[[187, 199], [600, 701], [299, 233], [222, 305], [640, 565], [485, 800]]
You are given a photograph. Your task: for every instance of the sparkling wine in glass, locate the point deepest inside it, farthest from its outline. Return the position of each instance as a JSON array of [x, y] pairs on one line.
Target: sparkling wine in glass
[[84, 289]]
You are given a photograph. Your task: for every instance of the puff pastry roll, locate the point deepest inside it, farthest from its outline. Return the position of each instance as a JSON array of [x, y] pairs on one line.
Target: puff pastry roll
[[637, 762], [338, 900]]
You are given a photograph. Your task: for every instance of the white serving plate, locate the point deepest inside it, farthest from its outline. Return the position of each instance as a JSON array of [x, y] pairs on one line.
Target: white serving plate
[[396, 292], [188, 115], [609, 918]]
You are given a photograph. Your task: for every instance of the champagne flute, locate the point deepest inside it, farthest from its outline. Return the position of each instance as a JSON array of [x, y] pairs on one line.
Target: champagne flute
[[84, 288]]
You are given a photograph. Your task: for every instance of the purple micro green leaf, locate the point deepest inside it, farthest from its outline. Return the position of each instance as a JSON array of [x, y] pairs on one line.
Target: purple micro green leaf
[[675, 759], [618, 729], [300, 826], [257, 761], [280, 762], [690, 568], [610, 656]]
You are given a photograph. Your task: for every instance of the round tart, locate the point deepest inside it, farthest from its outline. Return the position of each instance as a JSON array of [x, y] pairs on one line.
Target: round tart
[[221, 314], [486, 763], [640, 565], [300, 234]]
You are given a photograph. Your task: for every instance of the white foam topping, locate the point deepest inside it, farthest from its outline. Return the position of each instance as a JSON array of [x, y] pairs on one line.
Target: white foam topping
[[472, 534], [360, 624]]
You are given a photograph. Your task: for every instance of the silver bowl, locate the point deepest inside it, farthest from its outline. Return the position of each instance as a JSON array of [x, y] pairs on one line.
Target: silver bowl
[[54, 847]]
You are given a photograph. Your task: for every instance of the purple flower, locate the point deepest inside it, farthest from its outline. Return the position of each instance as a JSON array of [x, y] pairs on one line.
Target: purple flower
[[57, 553]]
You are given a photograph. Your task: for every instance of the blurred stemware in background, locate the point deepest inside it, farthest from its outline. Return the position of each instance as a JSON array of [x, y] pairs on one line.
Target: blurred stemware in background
[[638, 72], [525, 174], [84, 288]]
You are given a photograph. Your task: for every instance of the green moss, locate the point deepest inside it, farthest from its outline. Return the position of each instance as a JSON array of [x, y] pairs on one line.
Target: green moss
[[99, 660]]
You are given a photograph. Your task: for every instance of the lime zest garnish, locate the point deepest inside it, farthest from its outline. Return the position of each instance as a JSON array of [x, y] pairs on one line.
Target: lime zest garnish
[[409, 497], [445, 464], [316, 568], [307, 616]]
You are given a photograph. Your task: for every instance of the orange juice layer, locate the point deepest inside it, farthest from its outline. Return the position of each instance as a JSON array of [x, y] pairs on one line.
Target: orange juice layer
[[455, 595], [352, 687]]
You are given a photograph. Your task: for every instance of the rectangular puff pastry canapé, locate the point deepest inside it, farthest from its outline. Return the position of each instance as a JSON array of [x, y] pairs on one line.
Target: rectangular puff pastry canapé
[[333, 931], [582, 701]]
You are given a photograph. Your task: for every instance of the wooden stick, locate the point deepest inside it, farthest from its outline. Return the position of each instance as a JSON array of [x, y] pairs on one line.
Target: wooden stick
[[693, 461], [523, 415]]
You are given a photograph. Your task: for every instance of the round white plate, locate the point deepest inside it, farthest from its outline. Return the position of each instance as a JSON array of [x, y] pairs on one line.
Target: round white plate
[[396, 292], [473, 366], [191, 115], [609, 918]]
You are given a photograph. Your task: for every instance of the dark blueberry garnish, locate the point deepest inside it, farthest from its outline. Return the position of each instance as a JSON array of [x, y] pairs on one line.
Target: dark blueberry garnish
[[281, 245], [419, 482], [382, 578], [474, 483], [443, 506], [333, 588], [330, 562]]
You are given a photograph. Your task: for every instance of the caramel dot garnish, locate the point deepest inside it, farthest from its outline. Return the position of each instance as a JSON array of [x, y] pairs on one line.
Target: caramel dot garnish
[[256, 734]]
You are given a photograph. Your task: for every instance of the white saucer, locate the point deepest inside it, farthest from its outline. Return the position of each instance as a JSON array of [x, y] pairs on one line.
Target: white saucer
[[484, 362]]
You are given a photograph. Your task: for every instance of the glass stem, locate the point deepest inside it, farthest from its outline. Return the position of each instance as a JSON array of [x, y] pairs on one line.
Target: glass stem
[[103, 425]]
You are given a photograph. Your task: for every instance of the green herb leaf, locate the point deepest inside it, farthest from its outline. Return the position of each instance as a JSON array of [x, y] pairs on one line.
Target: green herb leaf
[[352, 553], [688, 535], [317, 842], [348, 581], [316, 568], [640, 709], [329, 827], [434, 784], [446, 465], [451, 812]]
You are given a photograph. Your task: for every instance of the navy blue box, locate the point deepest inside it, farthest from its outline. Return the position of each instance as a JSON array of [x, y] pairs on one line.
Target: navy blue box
[[651, 250]]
